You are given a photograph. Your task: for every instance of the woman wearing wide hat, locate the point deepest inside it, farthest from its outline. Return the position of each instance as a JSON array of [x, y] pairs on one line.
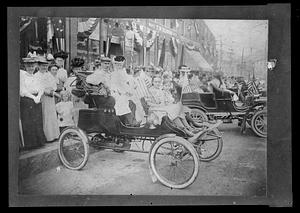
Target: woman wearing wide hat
[[50, 123], [30, 106]]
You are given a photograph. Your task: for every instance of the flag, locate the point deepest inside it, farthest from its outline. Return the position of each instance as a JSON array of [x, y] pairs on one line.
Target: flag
[[251, 88], [162, 55], [187, 89]]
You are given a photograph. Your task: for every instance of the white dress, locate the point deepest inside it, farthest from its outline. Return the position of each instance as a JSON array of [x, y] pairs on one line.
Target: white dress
[[119, 86], [50, 123]]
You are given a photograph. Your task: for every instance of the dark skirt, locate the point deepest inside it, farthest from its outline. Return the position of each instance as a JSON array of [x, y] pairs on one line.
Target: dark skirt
[[99, 101], [32, 123]]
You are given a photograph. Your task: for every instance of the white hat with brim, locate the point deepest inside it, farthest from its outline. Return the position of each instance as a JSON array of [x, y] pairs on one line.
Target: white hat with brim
[[185, 69], [42, 60], [29, 60]]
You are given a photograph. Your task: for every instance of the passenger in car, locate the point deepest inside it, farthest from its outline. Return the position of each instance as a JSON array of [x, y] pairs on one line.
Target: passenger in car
[[218, 84], [162, 103]]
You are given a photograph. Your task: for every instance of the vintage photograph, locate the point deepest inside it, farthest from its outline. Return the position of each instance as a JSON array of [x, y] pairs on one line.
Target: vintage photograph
[[149, 105], [129, 106]]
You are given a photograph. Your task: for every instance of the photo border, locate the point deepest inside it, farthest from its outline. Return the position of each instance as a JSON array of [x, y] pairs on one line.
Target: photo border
[[279, 158]]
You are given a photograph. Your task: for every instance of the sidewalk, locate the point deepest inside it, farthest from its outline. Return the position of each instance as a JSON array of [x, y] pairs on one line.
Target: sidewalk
[[32, 162]]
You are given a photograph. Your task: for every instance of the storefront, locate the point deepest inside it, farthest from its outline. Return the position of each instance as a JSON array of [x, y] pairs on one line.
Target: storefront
[[143, 42], [45, 34]]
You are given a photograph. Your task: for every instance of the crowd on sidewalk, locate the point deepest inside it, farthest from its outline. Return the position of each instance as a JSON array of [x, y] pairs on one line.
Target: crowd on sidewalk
[[49, 101]]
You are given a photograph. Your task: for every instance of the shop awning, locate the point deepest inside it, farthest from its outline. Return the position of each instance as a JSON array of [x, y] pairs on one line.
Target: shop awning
[[195, 60]]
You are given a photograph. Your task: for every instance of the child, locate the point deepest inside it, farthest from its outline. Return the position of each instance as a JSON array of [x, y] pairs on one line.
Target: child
[[78, 103], [65, 110]]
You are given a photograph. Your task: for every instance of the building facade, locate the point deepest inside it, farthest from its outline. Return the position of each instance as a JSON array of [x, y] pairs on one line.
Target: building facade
[[167, 43]]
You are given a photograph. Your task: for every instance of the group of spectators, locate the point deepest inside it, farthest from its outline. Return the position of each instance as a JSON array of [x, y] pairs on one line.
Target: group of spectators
[[140, 96], [46, 106]]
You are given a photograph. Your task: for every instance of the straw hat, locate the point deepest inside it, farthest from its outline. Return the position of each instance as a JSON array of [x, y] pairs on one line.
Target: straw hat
[[184, 68]]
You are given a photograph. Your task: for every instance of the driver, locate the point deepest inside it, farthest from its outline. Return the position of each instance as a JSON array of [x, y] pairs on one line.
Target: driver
[[218, 84], [102, 75]]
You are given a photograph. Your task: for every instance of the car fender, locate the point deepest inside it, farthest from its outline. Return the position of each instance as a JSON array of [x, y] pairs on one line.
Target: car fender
[[197, 107], [263, 104]]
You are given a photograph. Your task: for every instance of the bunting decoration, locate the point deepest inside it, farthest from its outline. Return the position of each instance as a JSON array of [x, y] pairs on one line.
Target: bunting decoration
[[86, 26], [24, 23], [190, 45]]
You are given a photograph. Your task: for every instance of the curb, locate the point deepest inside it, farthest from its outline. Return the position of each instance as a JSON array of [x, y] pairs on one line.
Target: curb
[[39, 160]]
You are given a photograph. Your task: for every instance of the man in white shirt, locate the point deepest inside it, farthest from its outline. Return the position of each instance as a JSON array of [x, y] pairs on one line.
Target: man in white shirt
[[102, 75], [121, 91]]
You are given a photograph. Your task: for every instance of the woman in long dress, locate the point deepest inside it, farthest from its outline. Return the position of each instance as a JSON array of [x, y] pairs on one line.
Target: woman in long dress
[[31, 107], [162, 103], [48, 82], [53, 69]]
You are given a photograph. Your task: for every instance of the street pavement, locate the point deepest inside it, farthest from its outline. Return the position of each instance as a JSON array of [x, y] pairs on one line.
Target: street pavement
[[240, 170]]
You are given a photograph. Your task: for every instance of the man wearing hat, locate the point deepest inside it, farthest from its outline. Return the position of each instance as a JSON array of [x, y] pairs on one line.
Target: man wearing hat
[[60, 58], [102, 75], [183, 79]]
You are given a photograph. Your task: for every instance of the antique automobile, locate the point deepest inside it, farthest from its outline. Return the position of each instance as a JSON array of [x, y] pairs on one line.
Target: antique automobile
[[219, 105], [173, 156]]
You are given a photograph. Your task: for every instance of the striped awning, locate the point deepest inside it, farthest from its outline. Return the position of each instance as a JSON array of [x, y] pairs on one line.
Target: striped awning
[[86, 26]]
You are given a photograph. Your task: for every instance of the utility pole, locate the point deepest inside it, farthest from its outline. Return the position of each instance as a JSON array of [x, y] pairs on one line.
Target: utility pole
[[230, 53], [242, 63], [221, 53]]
